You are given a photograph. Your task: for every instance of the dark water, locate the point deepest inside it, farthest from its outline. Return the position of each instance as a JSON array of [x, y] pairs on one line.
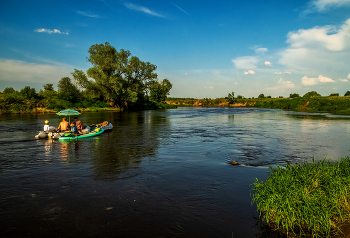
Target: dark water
[[157, 174]]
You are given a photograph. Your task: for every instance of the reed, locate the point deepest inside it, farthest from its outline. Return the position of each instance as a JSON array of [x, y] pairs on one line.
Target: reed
[[309, 199]]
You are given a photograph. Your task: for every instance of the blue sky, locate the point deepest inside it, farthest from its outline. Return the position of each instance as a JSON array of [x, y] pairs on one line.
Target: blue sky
[[205, 48]]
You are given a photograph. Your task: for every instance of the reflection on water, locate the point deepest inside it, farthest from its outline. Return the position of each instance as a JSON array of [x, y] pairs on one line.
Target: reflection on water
[[157, 173]]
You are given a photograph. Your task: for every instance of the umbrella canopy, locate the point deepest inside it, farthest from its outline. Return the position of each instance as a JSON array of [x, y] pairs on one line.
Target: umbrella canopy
[[68, 112]]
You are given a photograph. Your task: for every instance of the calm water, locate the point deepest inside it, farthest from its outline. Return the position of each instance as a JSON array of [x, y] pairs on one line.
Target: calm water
[[157, 174]]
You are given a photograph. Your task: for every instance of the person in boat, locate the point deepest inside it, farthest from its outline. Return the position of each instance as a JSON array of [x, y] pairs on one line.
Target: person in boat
[[64, 125], [77, 126], [46, 126]]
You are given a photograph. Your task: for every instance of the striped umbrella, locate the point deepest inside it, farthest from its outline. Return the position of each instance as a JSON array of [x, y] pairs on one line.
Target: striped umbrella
[[68, 112]]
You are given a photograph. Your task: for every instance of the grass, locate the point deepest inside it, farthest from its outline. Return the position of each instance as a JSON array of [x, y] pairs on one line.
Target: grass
[[309, 199]]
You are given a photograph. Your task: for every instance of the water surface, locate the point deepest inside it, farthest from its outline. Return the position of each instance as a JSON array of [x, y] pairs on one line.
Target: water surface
[[157, 174]]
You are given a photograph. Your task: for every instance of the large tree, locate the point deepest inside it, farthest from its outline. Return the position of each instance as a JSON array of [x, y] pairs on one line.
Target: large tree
[[122, 79]]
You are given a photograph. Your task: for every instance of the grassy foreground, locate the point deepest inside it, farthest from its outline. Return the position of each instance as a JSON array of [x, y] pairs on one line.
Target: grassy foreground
[[309, 199]]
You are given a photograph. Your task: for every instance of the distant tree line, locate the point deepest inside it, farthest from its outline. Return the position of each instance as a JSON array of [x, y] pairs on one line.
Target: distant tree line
[[116, 79]]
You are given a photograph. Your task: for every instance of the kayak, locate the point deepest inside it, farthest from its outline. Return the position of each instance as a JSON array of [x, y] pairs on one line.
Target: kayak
[[92, 133]]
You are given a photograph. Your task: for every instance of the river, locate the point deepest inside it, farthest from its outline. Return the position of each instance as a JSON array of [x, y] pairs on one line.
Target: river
[[161, 173]]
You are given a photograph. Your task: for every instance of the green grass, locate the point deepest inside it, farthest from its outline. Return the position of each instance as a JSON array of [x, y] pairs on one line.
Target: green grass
[[309, 199]]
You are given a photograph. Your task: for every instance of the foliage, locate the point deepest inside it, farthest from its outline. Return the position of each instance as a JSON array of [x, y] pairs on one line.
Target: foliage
[[294, 95], [347, 93], [159, 90], [261, 95], [305, 199], [122, 79], [231, 98], [334, 95], [67, 90], [28, 92], [311, 94], [9, 90]]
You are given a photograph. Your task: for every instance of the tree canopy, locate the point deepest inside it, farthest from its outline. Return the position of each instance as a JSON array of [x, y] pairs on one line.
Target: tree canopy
[[120, 78]]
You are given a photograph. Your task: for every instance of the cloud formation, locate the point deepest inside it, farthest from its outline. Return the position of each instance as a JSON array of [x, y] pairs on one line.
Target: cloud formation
[[321, 5], [50, 31], [312, 81], [313, 50], [249, 72], [21, 71], [267, 63], [86, 14], [139, 8], [282, 85], [245, 62]]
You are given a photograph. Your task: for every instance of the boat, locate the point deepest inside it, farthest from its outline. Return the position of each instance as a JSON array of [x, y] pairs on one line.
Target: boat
[[106, 126], [71, 136]]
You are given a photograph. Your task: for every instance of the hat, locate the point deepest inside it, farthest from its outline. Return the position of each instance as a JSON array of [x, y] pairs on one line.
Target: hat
[[46, 121]]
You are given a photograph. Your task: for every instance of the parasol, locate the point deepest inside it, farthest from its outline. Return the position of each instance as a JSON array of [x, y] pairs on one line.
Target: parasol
[[68, 112]]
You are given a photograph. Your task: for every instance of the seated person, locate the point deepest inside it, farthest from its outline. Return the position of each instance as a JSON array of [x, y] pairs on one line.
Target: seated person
[[64, 125], [77, 126], [46, 126]]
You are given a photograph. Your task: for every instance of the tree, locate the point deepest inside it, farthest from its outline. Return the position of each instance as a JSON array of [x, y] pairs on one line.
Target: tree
[[67, 90], [239, 97], [48, 87], [160, 90], [48, 92], [261, 95], [28, 92], [231, 98], [294, 95], [312, 94], [347, 93], [334, 94], [122, 79], [9, 90]]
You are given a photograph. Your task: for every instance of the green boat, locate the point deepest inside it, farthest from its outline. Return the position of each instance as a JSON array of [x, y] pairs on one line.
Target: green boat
[[74, 137]]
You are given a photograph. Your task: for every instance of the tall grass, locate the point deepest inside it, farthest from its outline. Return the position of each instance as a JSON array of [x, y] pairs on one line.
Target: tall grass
[[309, 199]]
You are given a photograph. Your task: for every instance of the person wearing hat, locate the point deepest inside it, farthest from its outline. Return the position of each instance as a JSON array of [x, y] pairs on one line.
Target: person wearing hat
[[46, 126]]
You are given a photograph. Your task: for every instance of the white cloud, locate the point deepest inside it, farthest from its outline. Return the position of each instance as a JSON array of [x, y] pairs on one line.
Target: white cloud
[[88, 14], [319, 37], [321, 5], [348, 76], [259, 50], [21, 71], [249, 72], [245, 62], [323, 79], [50, 31], [139, 8], [312, 81], [267, 63], [282, 85], [343, 80], [318, 49]]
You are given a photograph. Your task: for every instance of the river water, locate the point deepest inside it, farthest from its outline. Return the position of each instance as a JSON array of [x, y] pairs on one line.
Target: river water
[[161, 173]]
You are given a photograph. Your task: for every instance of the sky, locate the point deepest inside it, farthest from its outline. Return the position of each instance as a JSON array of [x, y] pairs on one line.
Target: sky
[[206, 48]]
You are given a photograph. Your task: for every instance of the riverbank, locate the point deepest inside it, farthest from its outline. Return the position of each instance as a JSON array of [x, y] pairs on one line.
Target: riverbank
[[334, 104], [310, 199], [24, 109]]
